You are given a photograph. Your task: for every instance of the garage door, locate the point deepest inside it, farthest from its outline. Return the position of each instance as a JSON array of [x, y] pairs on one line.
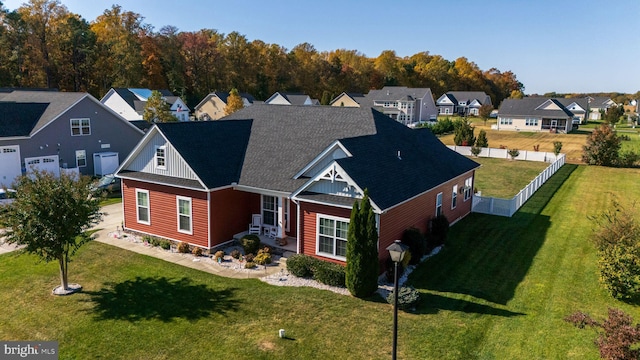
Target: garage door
[[9, 164], [49, 163]]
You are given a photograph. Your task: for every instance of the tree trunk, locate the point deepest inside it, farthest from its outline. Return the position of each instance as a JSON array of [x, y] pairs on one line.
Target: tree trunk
[[63, 272]]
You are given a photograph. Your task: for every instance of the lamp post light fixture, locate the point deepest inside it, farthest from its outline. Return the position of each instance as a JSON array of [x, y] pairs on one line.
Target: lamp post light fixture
[[397, 250]]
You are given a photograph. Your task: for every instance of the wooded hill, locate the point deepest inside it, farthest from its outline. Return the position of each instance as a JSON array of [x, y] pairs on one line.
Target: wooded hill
[[43, 45]]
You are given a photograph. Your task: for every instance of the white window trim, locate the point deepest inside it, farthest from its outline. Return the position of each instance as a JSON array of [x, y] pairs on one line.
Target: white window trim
[[274, 210], [439, 203], [184, 198], [155, 157], [454, 197], [330, 217], [467, 188], [85, 158], [148, 207], [79, 126]]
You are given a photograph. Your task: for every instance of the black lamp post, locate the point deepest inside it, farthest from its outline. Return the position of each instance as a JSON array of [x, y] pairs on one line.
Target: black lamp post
[[397, 251]]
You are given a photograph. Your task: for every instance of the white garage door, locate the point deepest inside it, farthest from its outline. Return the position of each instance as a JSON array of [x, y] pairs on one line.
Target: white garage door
[[9, 164], [49, 163]]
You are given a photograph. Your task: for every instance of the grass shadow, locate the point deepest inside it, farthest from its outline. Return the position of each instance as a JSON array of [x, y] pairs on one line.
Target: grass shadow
[[431, 303], [488, 256], [160, 298]]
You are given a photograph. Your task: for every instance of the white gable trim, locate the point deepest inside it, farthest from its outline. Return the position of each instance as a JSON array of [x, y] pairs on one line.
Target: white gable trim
[[549, 105], [143, 144], [333, 172], [322, 155]]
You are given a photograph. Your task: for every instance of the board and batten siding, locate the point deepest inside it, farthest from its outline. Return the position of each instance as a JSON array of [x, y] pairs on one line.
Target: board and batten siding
[[308, 227], [163, 212], [175, 166]]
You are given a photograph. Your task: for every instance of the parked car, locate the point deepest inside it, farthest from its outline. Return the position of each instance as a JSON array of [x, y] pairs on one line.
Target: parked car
[[108, 183], [7, 196]]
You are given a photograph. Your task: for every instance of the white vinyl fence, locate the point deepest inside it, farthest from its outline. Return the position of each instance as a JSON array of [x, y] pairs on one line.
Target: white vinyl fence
[[508, 207]]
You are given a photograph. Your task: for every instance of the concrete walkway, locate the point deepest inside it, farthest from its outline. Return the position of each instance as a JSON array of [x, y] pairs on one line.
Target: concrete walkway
[[113, 219]]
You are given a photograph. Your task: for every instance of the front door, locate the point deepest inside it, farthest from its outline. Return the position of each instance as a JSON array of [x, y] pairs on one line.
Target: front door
[[554, 124]]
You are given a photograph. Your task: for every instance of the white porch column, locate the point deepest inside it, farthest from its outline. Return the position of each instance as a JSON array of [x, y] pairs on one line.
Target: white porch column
[[280, 219]]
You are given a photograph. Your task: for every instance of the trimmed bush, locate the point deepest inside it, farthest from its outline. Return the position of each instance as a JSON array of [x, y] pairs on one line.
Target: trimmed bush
[[249, 257], [301, 265], [413, 238], [218, 255], [408, 297], [329, 273], [235, 254], [250, 243], [249, 265], [263, 258], [197, 251], [165, 244], [183, 248], [438, 232]]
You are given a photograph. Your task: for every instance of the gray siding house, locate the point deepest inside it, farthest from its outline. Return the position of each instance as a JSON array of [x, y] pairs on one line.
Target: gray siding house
[[49, 130]]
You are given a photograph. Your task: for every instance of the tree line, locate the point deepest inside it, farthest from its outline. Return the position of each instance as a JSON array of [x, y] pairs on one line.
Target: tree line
[[44, 45]]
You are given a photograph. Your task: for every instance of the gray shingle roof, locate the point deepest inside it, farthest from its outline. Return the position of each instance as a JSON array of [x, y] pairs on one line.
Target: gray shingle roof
[[394, 93], [215, 150], [469, 96], [529, 107], [265, 146], [19, 119], [58, 103]]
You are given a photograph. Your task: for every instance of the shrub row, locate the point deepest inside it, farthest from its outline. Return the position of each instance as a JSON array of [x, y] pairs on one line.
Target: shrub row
[[154, 241], [324, 272]]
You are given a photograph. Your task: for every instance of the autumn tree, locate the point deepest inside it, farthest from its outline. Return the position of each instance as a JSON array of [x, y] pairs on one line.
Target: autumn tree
[[157, 110], [613, 114], [485, 112], [603, 145], [52, 216], [234, 102], [463, 133], [516, 94]]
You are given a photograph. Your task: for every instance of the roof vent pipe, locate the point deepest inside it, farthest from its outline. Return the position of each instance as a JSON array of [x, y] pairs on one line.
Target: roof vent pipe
[[399, 157]]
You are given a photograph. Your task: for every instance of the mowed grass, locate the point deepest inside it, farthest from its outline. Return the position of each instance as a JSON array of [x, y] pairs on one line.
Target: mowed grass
[[498, 290], [504, 178]]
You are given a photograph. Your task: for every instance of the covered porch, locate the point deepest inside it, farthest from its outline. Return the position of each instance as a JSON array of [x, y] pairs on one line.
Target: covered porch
[[274, 242], [554, 125]]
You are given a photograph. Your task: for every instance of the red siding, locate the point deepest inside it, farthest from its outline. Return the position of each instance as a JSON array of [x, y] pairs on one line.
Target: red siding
[[418, 211], [231, 213], [164, 213], [414, 213], [308, 226]]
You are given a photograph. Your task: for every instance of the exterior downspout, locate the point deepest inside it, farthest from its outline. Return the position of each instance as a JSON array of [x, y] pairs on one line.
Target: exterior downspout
[[297, 226]]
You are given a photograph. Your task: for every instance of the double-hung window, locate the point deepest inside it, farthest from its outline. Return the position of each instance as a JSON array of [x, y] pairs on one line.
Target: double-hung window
[[332, 236], [142, 206], [269, 210], [439, 204], [454, 196], [468, 183], [161, 157], [80, 127], [531, 122], [81, 158], [185, 219]]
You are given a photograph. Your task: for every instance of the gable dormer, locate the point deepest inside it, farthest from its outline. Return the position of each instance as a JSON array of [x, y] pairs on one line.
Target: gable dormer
[[549, 105], [330, 154]]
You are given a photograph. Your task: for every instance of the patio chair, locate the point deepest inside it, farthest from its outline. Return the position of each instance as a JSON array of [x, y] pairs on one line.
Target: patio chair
[[273, 232], [256, 224]]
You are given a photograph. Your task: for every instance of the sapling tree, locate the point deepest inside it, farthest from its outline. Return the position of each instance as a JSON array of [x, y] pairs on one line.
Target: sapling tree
[[51, 216]]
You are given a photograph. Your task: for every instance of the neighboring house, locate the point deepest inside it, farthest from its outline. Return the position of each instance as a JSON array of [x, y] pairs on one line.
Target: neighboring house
[[578, 106], [347, 100], [301, 168], [462, 103], [130, 102], [534, 114], [213, 106], [598, 105], [49, 130], [282, 98], [408, 106]]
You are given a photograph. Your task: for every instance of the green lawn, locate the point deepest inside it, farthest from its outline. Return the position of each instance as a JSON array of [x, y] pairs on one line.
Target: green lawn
[[499, 290], [504, 178]]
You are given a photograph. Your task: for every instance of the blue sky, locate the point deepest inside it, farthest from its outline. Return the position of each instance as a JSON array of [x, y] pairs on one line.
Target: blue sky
[[563, 45]]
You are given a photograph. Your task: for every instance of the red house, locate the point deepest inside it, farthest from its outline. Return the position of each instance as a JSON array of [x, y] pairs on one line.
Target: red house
[[300, 168]]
